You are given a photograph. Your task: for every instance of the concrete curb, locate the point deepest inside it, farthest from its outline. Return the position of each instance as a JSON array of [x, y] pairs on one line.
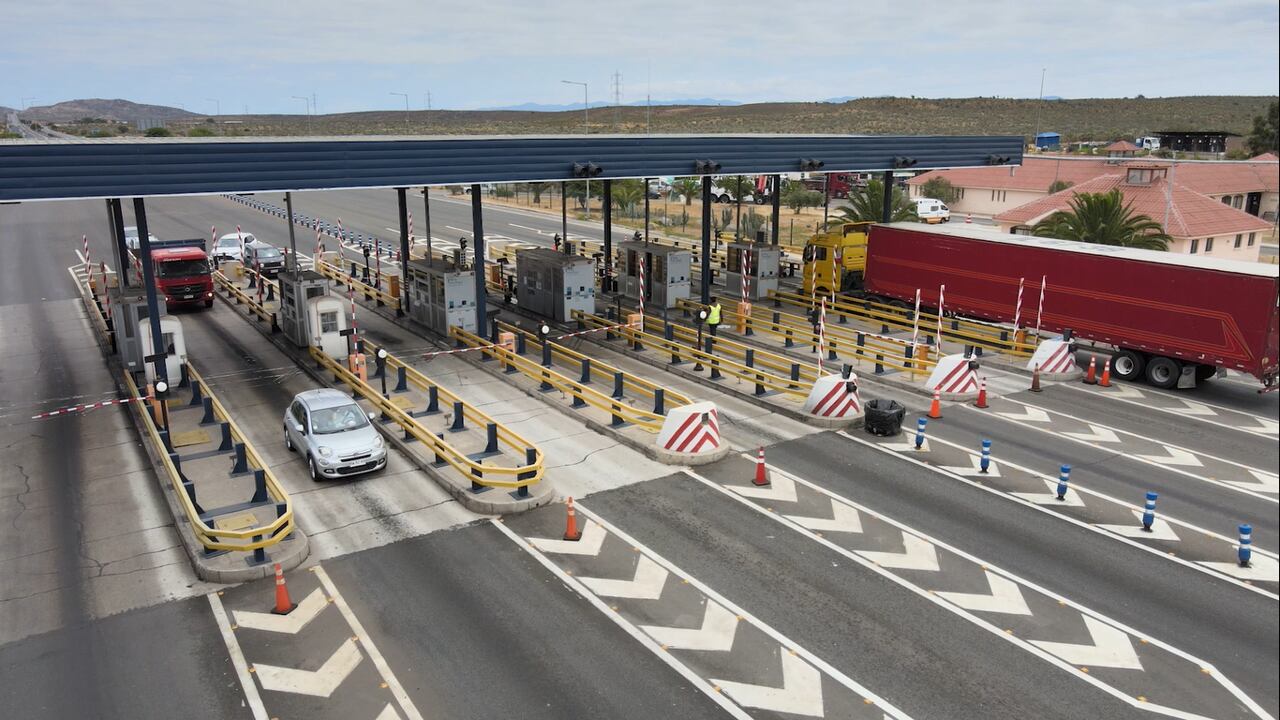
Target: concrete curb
[[462, 493]]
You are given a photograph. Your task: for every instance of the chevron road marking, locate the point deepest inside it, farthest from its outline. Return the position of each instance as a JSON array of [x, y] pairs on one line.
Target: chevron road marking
[[975, 470], [1005, 597], [1194, 410], [251, 696], [1032, 414], [909, 446], [780, 489], [589, 544], [1261, 569], [1160, 530], [719, 627], [647, 584], [1175, 456], [1045, 502], [800, 694], [1106, 649], [917, 554], [1096, 434], [289, 624], [844, 518], [388, 713], [1266, 482], [318, 683]]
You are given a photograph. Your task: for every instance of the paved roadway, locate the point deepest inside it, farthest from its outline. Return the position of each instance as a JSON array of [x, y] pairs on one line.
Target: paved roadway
[[456, 616]]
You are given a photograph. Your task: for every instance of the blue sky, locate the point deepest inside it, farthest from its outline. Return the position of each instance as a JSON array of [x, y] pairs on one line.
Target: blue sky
[[354, 53]]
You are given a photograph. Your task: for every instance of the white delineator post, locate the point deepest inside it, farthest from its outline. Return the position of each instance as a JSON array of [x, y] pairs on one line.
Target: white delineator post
[[1044, 279], [88, 266], [315, 264], [410, 218], [240, 237], [942, 289]]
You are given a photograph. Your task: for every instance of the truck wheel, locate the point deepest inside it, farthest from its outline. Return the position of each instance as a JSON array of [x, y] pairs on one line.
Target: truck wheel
[[1163, 372], [1205, 372], [1128, 365], [208, 303]]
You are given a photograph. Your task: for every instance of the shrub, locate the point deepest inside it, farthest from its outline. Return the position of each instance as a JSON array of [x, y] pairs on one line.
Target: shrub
[[158, 132]]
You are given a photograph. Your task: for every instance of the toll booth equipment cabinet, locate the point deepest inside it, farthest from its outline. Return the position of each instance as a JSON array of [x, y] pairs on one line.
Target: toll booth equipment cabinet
[[442, 296], [327, 318], [175, 347], [553, 284], [666, 272], [295, 292], [131, 321], [762, 269]]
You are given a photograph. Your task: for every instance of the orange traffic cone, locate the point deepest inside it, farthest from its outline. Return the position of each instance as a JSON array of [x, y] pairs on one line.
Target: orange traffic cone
[[981, 402], [935, 410], [968, 218], [1091, 376], [283, 605], [762, 476], [571, 531], [1106, 374], [1035, 379]]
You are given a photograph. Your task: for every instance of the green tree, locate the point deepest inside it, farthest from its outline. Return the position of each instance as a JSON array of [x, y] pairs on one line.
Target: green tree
[[1265, 129], [940, 188], [158, 132], [627, 194], [797, 197], [737, 186], [868, 205], [1105, 219], [688, 187], [200, 132], [1059, 186]]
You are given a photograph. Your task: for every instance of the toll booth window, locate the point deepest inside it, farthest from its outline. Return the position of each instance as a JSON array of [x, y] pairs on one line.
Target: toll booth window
[[631, 263], [660, 266], [329, 321], [734, 259]]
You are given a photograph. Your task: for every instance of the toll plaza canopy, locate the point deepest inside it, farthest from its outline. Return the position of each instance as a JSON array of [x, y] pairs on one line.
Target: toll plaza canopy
[[151, 167]]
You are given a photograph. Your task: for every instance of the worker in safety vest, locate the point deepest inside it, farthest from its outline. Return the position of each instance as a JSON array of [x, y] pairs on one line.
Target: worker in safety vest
[[713, 315]]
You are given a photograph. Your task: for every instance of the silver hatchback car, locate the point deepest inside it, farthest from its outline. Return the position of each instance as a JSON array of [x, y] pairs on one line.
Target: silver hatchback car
[[334, 434]]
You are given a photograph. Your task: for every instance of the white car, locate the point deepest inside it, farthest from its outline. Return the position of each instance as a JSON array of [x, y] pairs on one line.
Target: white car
[[131, 237], [932, 211], [334, 434], [228, 246]]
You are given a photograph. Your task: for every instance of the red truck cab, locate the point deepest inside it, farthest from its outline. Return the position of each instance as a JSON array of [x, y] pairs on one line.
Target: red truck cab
[[182, 271]]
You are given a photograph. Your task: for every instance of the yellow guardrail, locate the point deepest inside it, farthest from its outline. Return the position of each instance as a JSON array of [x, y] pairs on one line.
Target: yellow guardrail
[[969, 332], [724, 347], [369, 292], [630, 382], [490, 475], [682, 351], [241, 297], [619, 411]]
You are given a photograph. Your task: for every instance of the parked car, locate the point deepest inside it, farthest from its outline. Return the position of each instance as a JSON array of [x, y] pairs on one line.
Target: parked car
[[932, 211], [228, 246], [131, 237], [266, 258], [334, 434]]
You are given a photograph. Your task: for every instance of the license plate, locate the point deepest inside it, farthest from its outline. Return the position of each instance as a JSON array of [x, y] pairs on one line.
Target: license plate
[[188, 297]]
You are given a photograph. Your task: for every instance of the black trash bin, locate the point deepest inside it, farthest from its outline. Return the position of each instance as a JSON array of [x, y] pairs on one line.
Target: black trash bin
[[884, 417]]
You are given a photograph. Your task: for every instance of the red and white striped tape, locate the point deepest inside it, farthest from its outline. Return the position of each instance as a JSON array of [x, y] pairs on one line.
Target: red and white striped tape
[[642, 286], [745, 268], [942, 289], [1044, 280], [88, 266], [1017, 309], [90, 406]]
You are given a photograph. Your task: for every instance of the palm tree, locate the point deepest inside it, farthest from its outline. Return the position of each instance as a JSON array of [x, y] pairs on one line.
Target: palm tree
[[1105, 219], [688, 187], [627, 194], [867, 205]]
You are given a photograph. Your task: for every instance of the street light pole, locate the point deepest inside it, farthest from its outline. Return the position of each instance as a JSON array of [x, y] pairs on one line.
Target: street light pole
[[586, 106], [406, 107], [1039, 105]]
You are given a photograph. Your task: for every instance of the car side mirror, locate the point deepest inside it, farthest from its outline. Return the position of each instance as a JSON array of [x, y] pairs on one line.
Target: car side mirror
[[373, 416], [298, 428]]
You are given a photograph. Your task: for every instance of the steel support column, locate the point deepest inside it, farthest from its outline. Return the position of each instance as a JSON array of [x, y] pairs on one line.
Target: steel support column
[[564, 212], [149, 285], [477, 232], [886, 210], [606, 206], [403, 207], [777, 209], [705, 256], [646, 211], [426, 228], [119, 247], [293, 240]]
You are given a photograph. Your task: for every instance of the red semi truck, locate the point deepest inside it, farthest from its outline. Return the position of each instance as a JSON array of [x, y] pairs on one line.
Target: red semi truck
[[1170, 317], [183, 273]]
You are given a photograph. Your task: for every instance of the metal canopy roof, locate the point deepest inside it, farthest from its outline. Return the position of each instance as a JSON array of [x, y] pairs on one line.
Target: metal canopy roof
[[149, 167]]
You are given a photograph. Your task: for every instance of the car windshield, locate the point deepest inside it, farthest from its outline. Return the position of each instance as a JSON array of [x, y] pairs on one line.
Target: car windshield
[[338, 419], [267, 253], [182, 268]]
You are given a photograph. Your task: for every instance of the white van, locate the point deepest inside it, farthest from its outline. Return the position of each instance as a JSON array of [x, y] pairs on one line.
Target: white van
[[932, 211]]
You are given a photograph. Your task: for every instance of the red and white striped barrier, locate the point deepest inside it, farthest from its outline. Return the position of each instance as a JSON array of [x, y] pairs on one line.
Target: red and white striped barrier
[[954, 375], [835, 398], [691, 434], [1054, 357], [84, 408]]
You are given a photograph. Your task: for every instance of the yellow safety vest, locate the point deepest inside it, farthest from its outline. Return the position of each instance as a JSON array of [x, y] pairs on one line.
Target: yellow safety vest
[[713, 314]]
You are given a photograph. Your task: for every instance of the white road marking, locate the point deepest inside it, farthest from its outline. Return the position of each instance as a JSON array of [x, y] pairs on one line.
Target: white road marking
[[1096, 433], [917, 554], [317, 683], [1175, 456], [1160, 530], [1196, 410], [388, 713], [1266, 482], [719, 627], [909, 446], [1110, 648], [974, 470], [1069, 498], [1032, 414], [800, 694], [1261, 569], [589, 544], [289, 624], [251, 696], [1005, 597], [780, 489], [647, 583], [844, 518]]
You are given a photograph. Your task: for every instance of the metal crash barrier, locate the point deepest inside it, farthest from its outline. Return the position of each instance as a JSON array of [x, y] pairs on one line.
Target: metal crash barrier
[[389, 297]]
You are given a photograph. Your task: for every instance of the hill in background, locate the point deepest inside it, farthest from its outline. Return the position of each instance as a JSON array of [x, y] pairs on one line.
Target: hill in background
[[114, 110]]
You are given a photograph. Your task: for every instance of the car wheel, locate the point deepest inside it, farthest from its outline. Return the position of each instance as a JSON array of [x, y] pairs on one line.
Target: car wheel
[[1128, 365], [311, 468], [1163, 372], [288, 440]]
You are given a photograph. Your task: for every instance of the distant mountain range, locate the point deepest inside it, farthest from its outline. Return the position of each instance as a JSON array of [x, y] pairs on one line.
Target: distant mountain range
[[118, 110], [540, 107]]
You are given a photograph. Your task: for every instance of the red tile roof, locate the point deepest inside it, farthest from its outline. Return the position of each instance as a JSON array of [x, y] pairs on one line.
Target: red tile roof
[[1191, 214], [1265, 157], [1122, 146], [1038, 173]]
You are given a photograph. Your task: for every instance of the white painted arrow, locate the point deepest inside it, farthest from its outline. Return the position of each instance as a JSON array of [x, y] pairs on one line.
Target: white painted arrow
[[1160, 530], [800, 694], [780, 488], [1032, 414], [1176, 456], [388, 713], [320, 683], [1194, 408], [1271, 427], [844, 518], [908, 446], [589, 544], [975, 470], [1069, 499], [645, 585], [719, 626], [1111, 648], [917, 555], [1096, 434], [1005, 597], [1125, 390], [1267, 482], [291, 623], [1261, 569]]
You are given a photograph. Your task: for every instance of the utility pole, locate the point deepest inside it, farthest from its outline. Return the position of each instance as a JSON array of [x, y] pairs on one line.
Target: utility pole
[[306, 102], [406, 108], [1039, 106], [617, 99]]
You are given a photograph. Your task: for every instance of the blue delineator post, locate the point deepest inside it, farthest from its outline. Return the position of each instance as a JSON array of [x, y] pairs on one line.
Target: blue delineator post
[[920, 423], [1149, 512], [1246, 545], [1064, 477], [984, 463]]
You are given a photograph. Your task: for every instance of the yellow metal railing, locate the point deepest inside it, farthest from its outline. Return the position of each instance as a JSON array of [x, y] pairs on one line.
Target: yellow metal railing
[[369, 292]]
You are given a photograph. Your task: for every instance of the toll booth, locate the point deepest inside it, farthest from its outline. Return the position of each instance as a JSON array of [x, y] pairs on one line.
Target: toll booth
[[442, 296], [327, 318], [553, 284], [295, 292], [762, 269], [175, 348], [666, 272], [132, 323]]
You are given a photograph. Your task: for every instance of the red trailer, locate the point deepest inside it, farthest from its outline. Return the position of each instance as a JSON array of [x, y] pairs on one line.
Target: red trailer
[[1169, 316]]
